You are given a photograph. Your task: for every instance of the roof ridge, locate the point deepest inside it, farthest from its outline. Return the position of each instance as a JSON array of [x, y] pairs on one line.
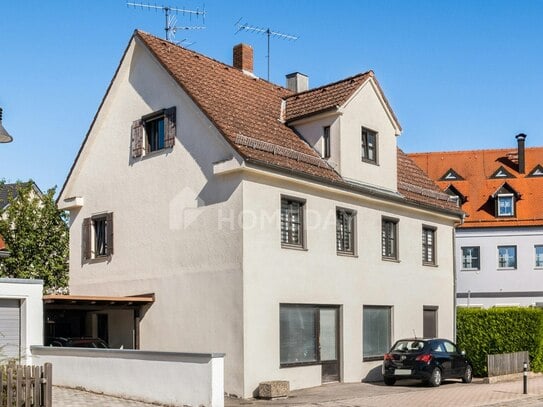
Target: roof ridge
[[511, 149], [370, 73], [199, 54]]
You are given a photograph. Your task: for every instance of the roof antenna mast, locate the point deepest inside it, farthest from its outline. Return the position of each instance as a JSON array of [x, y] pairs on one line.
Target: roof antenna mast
[[268, 32], [170, 13]]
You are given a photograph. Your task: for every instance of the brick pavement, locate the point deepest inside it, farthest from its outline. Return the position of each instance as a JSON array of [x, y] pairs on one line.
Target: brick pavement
[[410, 394]]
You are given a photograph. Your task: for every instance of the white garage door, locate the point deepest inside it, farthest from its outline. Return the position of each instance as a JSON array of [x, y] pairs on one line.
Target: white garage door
[[10, 329]]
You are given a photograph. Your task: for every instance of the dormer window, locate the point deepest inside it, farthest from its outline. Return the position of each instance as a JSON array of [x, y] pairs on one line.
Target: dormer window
[[369, 146], [326, 142], [502, 173], [505, 200], [537, 171], [506, 205], [451, 175], [453, 192]]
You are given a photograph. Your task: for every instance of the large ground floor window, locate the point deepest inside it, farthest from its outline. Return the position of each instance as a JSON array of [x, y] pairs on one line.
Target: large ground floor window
[[377, 331], [308, 334]]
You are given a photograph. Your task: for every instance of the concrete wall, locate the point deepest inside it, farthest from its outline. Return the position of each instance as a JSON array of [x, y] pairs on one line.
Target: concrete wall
[[157, 377], [318, 275], [491, 285], [29, 292], [165, 208]]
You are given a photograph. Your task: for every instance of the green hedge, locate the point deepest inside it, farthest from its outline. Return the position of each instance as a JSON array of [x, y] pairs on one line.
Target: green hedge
[[482, 332]]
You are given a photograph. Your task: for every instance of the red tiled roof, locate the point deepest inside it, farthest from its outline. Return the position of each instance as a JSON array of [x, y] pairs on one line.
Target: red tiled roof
[[476, 167], [247, 111]]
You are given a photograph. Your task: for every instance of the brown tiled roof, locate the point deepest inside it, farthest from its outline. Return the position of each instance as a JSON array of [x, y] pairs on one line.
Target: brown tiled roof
[[476, 167], [247, 111], [237, 104], [326, 97], [415, 185]]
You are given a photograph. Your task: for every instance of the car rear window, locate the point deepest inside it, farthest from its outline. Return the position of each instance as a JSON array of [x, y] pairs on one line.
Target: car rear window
[[408, 346]]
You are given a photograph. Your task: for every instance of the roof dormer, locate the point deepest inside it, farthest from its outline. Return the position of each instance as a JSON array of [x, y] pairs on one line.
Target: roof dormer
[[505, 200], [451, 175], [502, 173]]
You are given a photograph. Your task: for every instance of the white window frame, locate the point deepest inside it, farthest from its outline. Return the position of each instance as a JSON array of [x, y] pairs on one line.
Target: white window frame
[[471, 258], [507, 267], [510, 197], [538, 261]]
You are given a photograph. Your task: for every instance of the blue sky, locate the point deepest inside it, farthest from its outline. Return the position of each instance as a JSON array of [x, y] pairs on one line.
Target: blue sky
[[458, 74]]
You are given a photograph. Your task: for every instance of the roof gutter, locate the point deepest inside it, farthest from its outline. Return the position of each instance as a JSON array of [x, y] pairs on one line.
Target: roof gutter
[[359, 189]]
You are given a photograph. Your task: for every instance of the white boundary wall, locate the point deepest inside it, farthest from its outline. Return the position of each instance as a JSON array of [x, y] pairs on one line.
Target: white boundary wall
[[193, 379], [29, 292]]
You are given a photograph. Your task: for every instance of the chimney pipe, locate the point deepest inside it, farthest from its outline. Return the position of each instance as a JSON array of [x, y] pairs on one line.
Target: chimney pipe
[[521, 154], [297, 82], [243, 57]]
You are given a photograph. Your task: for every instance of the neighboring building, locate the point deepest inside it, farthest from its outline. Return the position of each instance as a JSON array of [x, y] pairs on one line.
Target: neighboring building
[[499, 247], [280, 226]]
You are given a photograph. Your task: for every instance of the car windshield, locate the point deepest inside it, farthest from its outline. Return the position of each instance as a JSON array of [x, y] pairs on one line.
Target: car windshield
[[408, 346]]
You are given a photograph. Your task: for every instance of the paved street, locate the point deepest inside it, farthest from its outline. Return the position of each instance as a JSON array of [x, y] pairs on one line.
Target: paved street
[[410, 394]]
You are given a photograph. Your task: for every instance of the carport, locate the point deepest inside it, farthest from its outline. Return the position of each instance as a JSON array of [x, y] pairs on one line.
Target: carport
[[116, 320]]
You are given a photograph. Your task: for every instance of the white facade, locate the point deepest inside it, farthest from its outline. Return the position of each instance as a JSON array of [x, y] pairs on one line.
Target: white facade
[[201, 229], [492, 285], [27, 295]]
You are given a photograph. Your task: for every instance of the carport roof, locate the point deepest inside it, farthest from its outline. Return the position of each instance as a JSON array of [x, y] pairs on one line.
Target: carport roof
[[98, 300]]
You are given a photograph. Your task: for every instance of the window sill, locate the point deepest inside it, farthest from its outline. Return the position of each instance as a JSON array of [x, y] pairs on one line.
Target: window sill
[[430, 265], [538, 268], [506, 269], [390, 259], [293, 247], [364, 160], [100, 259], [468, 270], [347, 254], [155, 153], [298, 364]]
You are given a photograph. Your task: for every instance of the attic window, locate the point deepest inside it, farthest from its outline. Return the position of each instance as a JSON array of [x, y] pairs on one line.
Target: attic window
[[505, 199], [369, 146], [502, 173], [451, 175], [452, 191], [537, 171], [153, 132]]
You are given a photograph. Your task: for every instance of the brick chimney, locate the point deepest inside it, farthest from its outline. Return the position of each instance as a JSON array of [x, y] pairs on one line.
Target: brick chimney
[[243, 57], [521, 154]]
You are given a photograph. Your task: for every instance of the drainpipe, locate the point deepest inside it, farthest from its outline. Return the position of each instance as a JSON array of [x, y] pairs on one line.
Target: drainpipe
[[456, 224]]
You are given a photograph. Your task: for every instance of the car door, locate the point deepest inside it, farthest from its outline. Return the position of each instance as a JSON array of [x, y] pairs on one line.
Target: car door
[[457, 359], [443, 358]]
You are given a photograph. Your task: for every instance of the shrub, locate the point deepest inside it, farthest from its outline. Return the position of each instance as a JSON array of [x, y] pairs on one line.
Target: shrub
[[482, 332]]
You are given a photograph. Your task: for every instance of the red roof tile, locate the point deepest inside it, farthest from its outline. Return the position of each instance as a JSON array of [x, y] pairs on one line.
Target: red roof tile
[[476, 167]]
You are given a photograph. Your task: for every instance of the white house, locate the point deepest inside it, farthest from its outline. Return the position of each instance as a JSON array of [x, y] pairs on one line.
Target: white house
[[281, 226], [499, 247]]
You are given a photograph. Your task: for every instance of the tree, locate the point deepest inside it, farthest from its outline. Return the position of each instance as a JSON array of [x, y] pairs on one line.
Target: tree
[[36, 235]]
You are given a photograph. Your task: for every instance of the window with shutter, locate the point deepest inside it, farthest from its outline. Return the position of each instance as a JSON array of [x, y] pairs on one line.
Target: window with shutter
[[154, 132], [97, 237]]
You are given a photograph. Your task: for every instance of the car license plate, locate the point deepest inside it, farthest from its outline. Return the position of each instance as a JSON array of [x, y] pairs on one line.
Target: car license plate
[[403, 372]]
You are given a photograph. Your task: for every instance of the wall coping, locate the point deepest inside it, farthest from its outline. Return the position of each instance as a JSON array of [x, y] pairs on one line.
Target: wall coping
[[125, 354], [21, 280]]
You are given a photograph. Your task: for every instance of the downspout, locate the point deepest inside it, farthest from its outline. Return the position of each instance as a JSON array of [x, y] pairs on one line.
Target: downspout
[[456, 224]]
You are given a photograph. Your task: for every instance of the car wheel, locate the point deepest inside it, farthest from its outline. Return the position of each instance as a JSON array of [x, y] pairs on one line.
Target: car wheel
[[468, 375], [435, 378], [389, 381]]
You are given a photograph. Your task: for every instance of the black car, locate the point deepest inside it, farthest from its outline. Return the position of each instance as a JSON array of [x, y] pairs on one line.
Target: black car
[[82, 342], [429, 360]]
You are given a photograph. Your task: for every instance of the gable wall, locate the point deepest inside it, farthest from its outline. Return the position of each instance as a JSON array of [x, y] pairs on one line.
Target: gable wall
[[366, 110], [166, 207]]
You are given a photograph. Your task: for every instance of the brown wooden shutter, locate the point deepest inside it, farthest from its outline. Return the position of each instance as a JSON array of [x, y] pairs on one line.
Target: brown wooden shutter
[[86, 239], [137, 138], [169, 127], [109, 233]]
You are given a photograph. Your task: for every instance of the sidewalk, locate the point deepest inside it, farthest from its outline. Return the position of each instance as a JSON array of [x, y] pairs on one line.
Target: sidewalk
[[407, 394]]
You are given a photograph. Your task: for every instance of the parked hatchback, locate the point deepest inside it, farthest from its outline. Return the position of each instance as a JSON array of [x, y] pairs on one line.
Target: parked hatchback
[[429, 360]]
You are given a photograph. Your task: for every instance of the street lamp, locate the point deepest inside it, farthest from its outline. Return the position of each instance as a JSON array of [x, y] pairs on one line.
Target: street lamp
[[4, 135]]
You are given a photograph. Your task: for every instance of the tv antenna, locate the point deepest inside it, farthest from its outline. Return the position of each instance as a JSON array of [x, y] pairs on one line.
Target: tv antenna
[[170, 13], [268, 32]]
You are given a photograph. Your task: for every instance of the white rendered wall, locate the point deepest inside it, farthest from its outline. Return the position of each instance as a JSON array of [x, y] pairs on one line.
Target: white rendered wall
[[275, 275], [157, 377], [500, 285], [165, 214], [29, 292]]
